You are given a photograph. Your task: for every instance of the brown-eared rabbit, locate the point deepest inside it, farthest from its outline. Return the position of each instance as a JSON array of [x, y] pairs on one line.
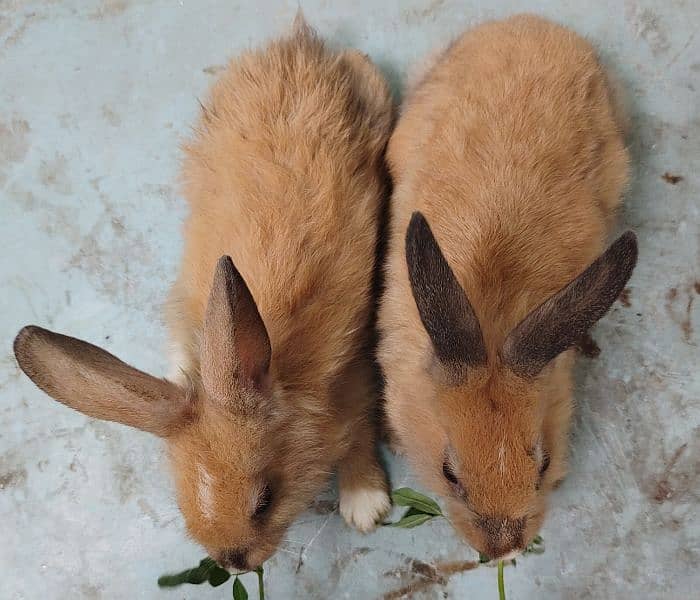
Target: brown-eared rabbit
[[508, 163], [273, 386]]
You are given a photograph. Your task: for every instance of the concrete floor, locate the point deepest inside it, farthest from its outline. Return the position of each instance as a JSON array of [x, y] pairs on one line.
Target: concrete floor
[[95, 97]]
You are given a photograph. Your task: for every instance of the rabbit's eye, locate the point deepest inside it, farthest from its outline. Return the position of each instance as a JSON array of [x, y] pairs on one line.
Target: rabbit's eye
[[264, 502], [449, 473], [544, 465], [455, 483]]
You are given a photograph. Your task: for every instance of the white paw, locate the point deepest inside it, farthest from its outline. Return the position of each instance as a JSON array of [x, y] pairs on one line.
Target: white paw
[[364, 508]]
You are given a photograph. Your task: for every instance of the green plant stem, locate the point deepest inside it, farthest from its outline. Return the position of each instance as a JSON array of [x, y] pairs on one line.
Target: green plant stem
[[501, 584], [261, 585]]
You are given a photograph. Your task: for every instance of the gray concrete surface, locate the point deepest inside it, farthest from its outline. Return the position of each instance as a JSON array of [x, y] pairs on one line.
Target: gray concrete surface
[[94, 98]]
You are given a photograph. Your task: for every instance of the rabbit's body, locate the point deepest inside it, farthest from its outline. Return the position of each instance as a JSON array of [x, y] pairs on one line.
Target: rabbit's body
[[511, 149], [274, 383], [285, 175]]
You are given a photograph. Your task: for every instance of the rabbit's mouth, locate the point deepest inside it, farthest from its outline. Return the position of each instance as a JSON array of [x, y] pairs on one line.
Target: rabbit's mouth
[[506, 557]]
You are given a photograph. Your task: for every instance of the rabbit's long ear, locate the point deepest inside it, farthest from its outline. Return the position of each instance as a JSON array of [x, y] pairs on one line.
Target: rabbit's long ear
[[444, 308], [98, 384], [566, 317], [236, 349]]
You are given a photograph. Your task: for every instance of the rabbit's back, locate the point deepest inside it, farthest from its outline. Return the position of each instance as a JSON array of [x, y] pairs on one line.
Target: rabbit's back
[[512, 149], [284, 174]]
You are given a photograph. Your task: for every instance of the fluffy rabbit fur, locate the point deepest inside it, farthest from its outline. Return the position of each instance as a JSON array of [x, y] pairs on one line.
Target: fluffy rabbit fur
[[508, 163], [272, 387]]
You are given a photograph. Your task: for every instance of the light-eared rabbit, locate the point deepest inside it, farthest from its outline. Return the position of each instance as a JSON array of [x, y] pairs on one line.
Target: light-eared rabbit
[[508, 163], [272, 387]]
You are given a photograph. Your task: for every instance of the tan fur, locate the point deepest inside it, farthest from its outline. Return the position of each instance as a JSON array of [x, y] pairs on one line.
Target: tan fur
[[511, 150], [285, 175]]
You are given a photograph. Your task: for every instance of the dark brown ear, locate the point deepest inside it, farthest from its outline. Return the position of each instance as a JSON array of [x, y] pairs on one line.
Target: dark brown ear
[[444, 309], [566, 317], [236, 348], [98, 384]]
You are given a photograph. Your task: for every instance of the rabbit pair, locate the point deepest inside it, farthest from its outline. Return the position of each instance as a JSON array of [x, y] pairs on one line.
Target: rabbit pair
[[508, 163]]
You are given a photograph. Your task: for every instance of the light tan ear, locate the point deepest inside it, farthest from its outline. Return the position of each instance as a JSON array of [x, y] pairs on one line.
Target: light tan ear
[[566, 317], [98, 384], [236, 349]]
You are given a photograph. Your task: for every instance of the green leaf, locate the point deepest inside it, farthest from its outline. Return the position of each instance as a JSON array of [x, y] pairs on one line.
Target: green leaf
[[536, 546], [239, 591], [196, 576], [409, 497], [218, 576], [411, 518], [410, 521], [207, 563], [174, 580], [200, 574], [483, 558]]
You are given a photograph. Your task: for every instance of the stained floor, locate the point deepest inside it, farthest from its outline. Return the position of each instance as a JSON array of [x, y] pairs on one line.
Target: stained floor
[[94, 99]]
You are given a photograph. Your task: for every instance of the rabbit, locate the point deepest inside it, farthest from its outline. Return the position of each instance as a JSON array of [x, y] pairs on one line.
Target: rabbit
[[508, 163], [272, 381]]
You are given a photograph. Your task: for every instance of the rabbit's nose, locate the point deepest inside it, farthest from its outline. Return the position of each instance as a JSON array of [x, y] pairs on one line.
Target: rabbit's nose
[[504, 537], [234, 558]]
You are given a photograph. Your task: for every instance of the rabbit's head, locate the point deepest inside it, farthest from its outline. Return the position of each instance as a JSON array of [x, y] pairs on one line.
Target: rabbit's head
[[490, 442], [239, 481]]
